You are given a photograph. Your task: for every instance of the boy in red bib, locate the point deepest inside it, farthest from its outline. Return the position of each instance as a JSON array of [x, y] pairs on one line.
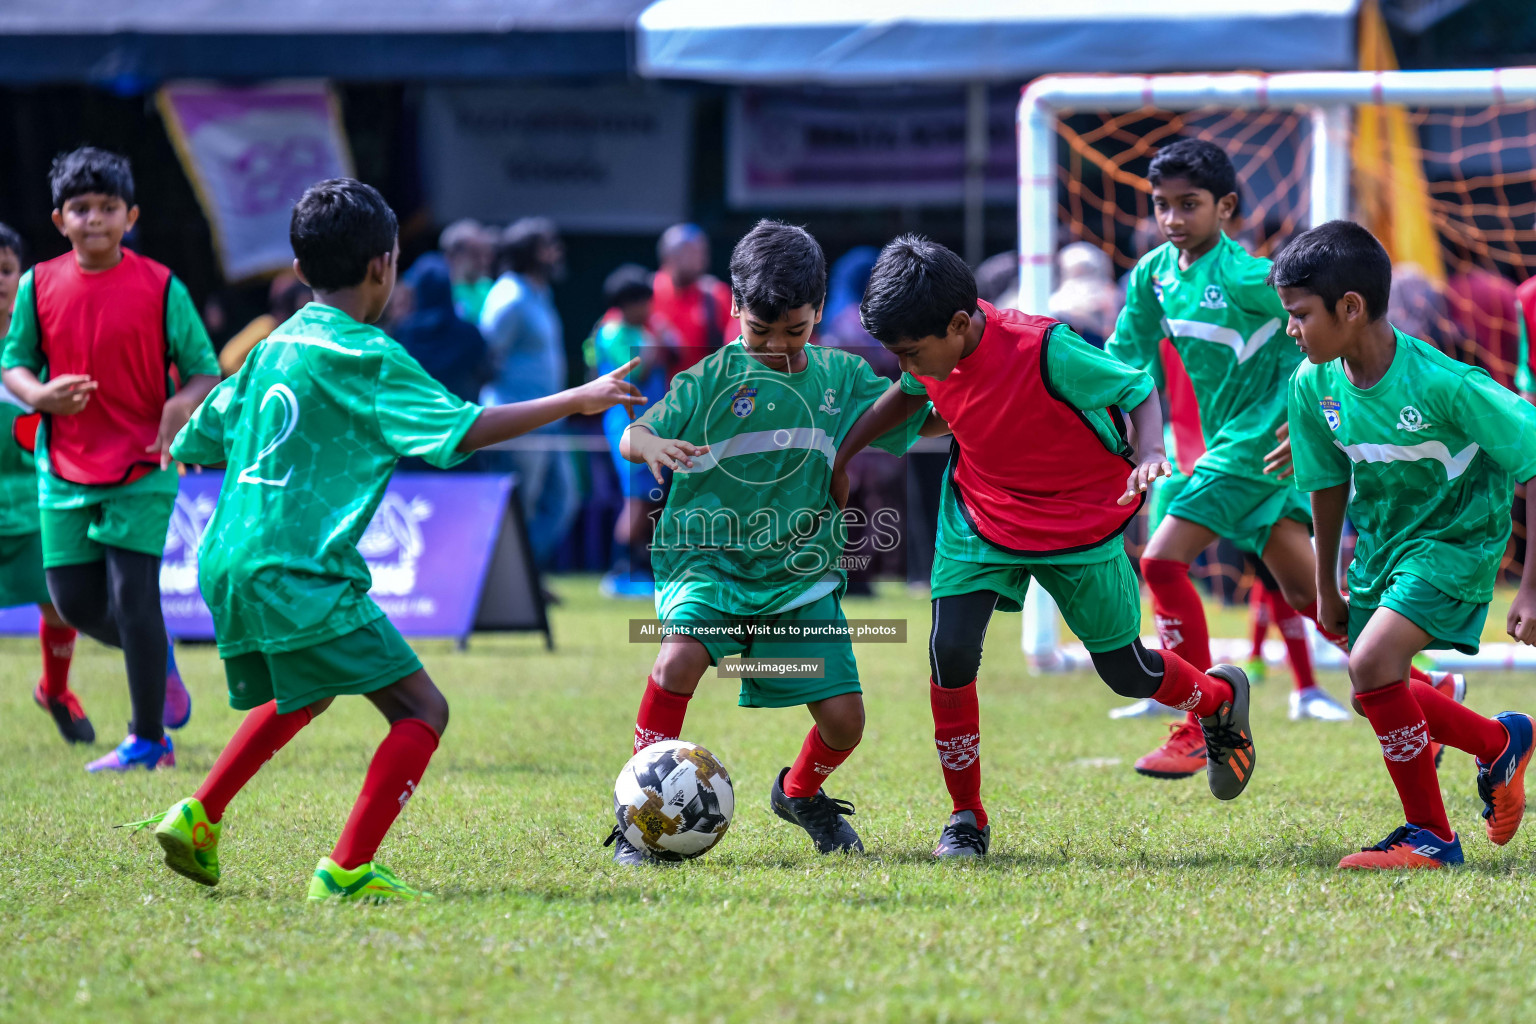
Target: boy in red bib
[[1041, 483], [99, 340]]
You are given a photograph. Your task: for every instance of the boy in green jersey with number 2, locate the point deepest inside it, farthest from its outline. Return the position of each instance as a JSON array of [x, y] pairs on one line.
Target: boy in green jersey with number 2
[[1433, 449], [310, 430]]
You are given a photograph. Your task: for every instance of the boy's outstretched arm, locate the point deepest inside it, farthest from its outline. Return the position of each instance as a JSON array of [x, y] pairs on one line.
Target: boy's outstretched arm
[[498, 423], [1521, 623], [177, 411], [63, 395], [1151, 460], [1328, 507], [890, 411]]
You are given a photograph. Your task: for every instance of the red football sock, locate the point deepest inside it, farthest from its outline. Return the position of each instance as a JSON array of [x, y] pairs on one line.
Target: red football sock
[[1177, 609], [1458, 725], [957, 734], [1189, 689], [58, 643], [815, 763], [661, 715], [1404, 736], [1293, 630], [1258, 619], [392, 778], [262, 733], [1341, 641]]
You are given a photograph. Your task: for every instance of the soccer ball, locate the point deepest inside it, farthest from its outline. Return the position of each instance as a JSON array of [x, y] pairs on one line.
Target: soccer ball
[[673, 800]]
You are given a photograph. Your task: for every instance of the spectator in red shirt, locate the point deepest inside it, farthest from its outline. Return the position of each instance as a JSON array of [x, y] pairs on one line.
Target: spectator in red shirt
[[695, 305]]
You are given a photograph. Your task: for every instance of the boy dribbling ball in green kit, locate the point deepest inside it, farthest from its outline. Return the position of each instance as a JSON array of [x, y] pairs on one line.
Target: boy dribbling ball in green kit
[[310, 430]]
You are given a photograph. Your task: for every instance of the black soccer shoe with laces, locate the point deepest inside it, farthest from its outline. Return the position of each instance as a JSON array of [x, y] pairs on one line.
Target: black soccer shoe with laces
[[1229, 754], [820, 816], [625, 852], [961, 837]]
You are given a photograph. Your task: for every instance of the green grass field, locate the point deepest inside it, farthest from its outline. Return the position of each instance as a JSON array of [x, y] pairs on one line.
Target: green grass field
[[1108, 897]]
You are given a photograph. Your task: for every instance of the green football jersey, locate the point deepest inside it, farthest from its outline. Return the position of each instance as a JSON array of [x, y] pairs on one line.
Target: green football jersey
[[18, 473], [1091, 382], [752, 529], [1434, 450], [311, 428], [1229, 329]]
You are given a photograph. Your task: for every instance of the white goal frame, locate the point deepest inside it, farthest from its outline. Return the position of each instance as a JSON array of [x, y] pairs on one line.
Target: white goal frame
[[1327, 95]]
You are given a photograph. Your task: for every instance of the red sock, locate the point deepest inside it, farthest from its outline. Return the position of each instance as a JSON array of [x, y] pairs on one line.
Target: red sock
[[58, 643], [815, 763], [1189, 689], [1177, 609], [661, 715], [1258, 619], [1404, 736], [263, 733], [957, 734], [1340, 641], [1293, 630], [1458, 725], [392, 778]]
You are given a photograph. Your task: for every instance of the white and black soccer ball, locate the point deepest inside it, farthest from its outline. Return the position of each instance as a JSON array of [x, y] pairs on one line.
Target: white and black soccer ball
[[673, 800]]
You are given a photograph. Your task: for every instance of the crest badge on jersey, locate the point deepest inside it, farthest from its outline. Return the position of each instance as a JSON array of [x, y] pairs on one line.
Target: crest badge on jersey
[[1157, 289], [1213, 299], [829, 403], [1410, 419], [1330, 407], [744, 401]]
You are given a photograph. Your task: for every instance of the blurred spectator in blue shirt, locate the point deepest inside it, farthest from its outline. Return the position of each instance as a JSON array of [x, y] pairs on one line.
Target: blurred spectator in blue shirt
[[449, 348], [527, 348]]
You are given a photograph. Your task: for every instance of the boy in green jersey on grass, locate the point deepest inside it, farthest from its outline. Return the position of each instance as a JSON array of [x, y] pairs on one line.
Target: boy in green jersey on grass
[[1433, 449], [21, 544], [749, 537], [310, 430], [1207, 295]]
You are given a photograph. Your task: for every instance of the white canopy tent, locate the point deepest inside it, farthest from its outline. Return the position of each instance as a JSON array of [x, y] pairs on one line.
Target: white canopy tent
[[864, 42]]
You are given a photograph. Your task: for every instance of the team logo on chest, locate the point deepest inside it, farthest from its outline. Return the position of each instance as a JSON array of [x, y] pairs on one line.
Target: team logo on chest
[[1157, 289], [1212, 299], [829, 403], [1410, 419], [744, 401], [1330, 407]]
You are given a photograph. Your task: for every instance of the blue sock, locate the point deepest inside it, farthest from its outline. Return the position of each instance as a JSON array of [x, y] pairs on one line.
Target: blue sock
[[170, 658]]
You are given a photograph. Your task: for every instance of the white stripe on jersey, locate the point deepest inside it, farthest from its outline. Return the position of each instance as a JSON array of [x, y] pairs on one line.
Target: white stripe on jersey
[[1455, 465], [753, 442], [299, 339], [1243, 348]]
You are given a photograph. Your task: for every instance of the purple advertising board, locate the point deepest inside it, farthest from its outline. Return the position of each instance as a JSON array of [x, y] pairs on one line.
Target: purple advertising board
[[446, 552]]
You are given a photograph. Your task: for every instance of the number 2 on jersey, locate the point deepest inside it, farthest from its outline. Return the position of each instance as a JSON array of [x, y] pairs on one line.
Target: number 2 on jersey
[[290, 410]]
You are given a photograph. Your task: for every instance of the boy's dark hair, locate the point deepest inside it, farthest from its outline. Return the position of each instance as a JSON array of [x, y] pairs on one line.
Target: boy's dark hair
[[777, 267], [9, 239], [917, 286], [338, 227], [1334, 258], [90, 170], [629, 282], [1203, 164], [518, 250]]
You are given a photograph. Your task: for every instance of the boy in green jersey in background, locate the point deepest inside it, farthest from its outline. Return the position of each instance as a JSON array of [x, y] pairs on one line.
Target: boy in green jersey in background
[[21, 543], [1433, 449], [1207, 295], [749, 536], [310, 430]]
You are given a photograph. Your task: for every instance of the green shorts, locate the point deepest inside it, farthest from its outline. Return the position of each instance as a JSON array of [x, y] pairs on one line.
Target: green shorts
[[1239, 509], [1164, 490], [21, 571], [840, 672], [135, 522], [368, 658], [1101, 602], [1452, 625]]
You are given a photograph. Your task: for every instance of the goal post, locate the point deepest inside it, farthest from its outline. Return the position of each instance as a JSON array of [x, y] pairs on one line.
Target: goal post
[[1325, 99]]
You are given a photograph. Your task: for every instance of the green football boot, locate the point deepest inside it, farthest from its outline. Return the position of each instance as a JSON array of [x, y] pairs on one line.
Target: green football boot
[[369, 881], [190, 840]]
